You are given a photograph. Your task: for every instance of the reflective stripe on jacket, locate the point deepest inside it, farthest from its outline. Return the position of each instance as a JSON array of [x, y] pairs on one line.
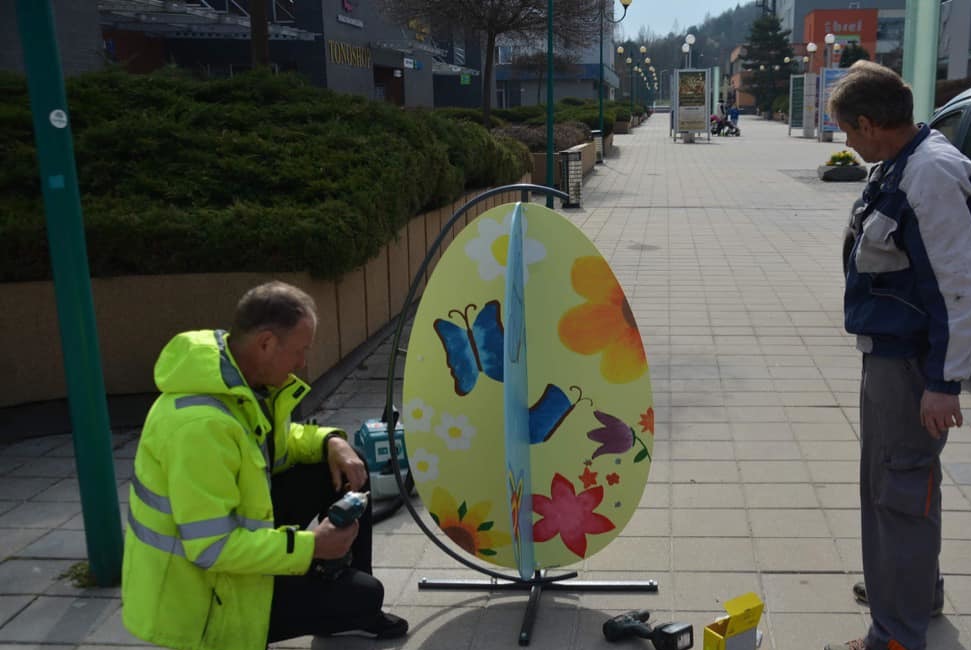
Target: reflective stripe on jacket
[[200, 549]]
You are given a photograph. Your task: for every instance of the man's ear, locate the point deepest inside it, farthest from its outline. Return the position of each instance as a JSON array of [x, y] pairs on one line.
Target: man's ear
[[264, 341], [865, 124]]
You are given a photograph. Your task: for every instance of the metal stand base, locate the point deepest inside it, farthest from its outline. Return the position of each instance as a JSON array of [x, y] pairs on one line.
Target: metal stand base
[[536, 587]]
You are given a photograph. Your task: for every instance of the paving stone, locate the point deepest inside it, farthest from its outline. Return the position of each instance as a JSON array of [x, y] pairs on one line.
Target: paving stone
[[10, 606], [49, 514], [13, 540], [62, 544], [30, 576], [23, 488], [59, 620]]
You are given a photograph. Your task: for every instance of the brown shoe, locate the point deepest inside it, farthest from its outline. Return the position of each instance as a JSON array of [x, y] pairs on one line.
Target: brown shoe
[[855, 644]]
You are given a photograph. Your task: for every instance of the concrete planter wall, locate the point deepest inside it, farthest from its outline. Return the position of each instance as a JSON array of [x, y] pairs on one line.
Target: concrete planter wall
[[137, 315], [621, 127]]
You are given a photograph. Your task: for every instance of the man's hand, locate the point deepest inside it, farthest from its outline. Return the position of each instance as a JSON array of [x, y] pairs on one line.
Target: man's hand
[[345, 465], [330, 542], [939, 412]]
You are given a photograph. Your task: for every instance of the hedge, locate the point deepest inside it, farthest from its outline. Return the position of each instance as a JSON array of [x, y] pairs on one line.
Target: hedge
[[570, 109], [260, 172]]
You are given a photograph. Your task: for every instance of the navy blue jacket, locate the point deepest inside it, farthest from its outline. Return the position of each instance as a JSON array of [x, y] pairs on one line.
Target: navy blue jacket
[[908, 284]]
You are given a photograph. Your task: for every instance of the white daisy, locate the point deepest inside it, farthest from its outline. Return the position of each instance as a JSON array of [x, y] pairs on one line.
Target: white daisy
[[423, 465], [417, 416], [456, 431], [491, 248]]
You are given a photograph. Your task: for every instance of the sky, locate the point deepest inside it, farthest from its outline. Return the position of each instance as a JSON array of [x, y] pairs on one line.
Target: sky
[[659, 15]]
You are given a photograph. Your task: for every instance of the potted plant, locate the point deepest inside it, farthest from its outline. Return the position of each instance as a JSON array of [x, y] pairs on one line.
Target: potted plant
[[842, 166]]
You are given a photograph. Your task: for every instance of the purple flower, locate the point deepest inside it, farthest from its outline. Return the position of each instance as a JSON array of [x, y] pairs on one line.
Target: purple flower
[[615, 437]]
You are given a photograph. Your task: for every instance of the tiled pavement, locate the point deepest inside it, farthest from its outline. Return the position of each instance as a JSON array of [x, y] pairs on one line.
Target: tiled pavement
[[729, 252]]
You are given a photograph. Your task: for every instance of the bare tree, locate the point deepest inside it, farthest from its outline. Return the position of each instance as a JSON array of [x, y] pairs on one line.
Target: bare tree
[[576, 24], [535, 64]]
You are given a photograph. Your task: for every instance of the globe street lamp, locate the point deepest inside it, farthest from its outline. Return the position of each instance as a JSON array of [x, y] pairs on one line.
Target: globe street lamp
[[600, 87], [685, 48], [689, 40], [830, 39], [811, 48], [629, 61]]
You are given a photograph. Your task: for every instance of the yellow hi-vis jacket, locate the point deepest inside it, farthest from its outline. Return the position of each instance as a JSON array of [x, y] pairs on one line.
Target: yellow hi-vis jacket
[[201, 550]]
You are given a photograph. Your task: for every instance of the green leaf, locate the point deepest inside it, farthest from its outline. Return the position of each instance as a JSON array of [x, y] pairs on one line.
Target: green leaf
[[641, 455], [435, 518], [486, 525], [488, 552], [463, 510]]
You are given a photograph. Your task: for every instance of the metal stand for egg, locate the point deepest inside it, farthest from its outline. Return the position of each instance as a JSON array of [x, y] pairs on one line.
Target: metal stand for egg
[[497, 581]]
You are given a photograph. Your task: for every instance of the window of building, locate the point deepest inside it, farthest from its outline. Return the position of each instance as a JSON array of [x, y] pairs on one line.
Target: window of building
[[890, 29]]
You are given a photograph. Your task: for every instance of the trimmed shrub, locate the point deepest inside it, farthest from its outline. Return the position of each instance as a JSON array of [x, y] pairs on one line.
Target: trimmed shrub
[[469, 115], [565, 135], [260, 172]]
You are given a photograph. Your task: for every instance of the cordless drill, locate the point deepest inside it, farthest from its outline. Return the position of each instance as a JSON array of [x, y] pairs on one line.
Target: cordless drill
[[344, 512], [664, 636]]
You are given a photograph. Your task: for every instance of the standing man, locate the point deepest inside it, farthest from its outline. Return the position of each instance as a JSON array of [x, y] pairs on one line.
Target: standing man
[[216, 555], [908, 300]]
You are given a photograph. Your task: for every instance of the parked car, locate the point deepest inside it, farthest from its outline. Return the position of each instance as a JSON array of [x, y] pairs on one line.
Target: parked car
[[953, 120]]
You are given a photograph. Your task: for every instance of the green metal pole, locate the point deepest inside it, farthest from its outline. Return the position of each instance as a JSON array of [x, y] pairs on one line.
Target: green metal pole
[[72, 287], [549, 101], [601, 92], [921, 31], [632, 91]]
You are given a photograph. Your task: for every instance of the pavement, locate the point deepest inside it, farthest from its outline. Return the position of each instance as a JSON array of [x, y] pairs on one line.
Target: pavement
[[729, 252]]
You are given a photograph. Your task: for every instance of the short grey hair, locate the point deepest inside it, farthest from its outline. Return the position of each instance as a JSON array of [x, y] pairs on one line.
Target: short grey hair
[[872, 90], [275, 306]]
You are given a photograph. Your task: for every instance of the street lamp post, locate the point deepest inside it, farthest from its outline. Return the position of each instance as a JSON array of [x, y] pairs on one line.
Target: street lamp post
[[685, 48], [689, 40], [600, 86], [811, 48], [630, 65], [830, 40]]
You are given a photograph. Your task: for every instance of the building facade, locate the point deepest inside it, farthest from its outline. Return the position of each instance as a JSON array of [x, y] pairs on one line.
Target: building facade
[[343, 45], [521, 71], [78, 32]]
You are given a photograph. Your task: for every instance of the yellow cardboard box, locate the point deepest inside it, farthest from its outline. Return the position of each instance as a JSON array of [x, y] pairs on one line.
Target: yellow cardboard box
[[738, 630]]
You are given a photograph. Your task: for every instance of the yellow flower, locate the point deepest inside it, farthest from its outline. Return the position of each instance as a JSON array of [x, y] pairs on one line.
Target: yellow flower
[[467, 527], [605, 323]]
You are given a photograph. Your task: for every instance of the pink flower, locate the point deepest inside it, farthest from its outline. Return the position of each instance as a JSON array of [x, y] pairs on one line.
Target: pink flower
[[569, 515]]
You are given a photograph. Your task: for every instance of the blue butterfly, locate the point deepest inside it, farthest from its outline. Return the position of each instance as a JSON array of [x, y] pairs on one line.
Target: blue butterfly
[[470, 350], [549, 412]]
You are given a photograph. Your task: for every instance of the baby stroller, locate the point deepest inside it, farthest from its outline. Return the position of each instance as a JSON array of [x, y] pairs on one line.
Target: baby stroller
[[723, 126]]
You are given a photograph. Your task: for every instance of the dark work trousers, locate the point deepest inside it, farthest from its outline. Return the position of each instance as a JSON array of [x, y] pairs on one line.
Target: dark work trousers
[[308, 604], [900, 503]]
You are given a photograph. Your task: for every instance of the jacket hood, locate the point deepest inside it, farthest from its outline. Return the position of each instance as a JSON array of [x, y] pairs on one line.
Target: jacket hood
[[198, 362]]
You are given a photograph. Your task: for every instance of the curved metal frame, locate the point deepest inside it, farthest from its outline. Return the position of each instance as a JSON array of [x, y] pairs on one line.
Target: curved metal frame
[[389, 416]]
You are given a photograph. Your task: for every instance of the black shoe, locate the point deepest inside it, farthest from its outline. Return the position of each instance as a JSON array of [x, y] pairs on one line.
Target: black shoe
[[859, 592], [386, 626]]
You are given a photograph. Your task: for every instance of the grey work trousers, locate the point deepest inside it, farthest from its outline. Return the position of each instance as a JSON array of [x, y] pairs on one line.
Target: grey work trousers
[[900, 503]]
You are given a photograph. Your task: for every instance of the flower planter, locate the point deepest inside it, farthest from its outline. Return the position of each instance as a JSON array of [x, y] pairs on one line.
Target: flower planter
[[841, 173]]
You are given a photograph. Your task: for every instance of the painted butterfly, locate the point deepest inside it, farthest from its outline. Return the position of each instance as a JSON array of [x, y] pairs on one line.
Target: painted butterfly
[[474, 348], [549, 412]]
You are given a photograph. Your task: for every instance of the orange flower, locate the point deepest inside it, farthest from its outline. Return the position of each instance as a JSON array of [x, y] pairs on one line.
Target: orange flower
[[647, 421], [588, 478], [605, 323]]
